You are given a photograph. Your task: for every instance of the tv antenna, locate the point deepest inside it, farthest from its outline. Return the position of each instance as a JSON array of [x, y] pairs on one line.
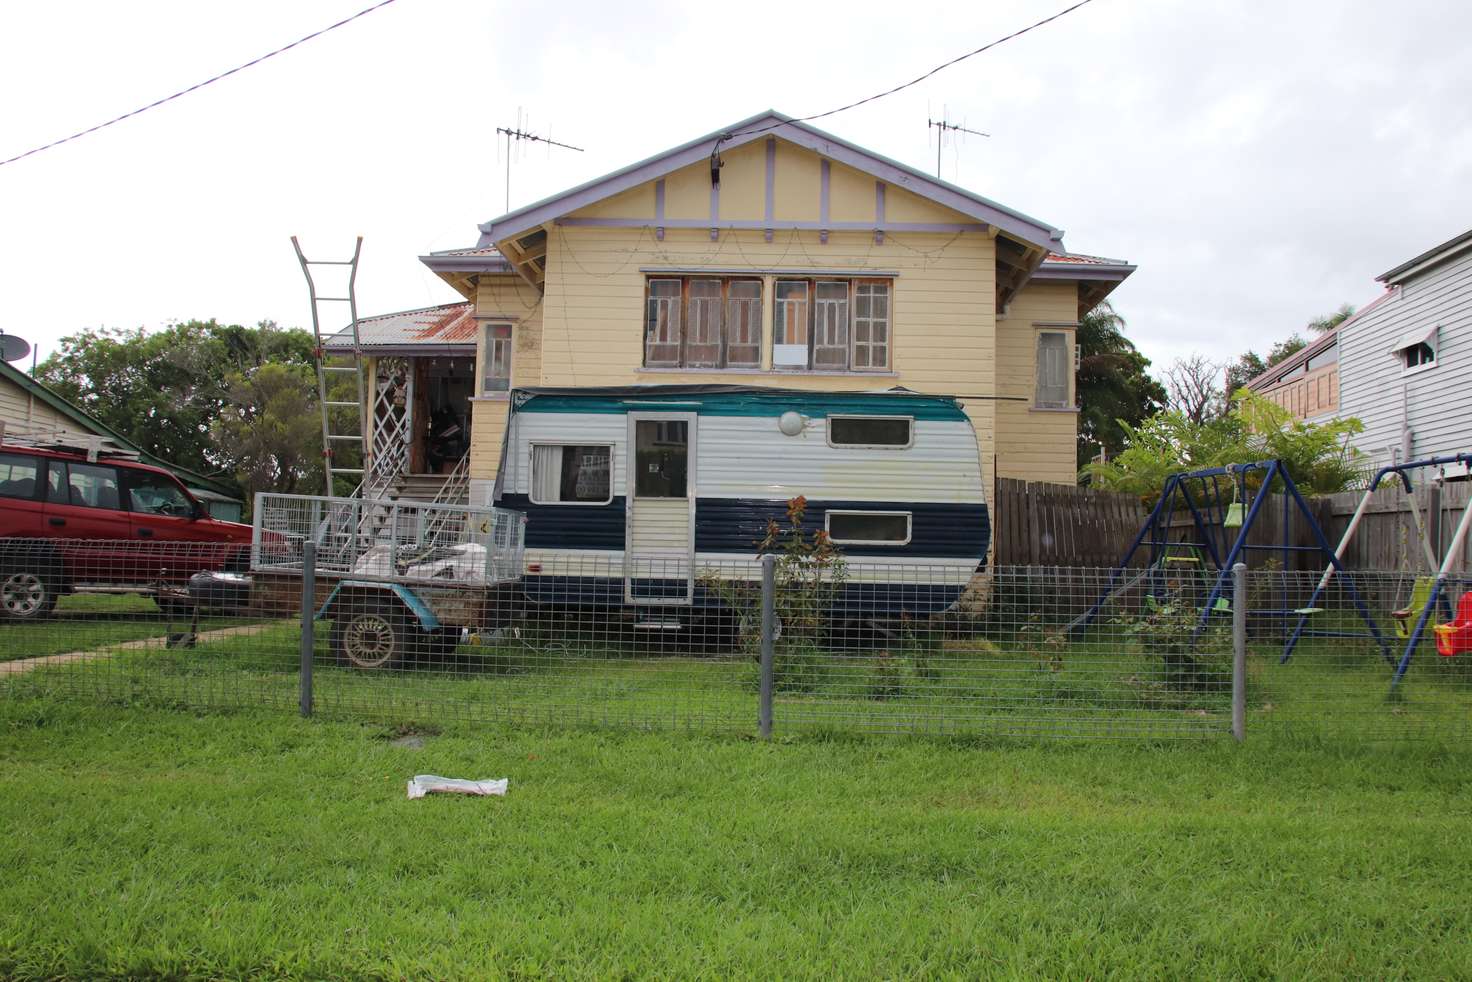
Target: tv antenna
[[517, 134], [943, 125]]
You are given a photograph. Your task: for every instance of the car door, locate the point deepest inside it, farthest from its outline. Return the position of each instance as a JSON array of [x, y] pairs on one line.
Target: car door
[[22, 501], [164, 520], [84, 509]]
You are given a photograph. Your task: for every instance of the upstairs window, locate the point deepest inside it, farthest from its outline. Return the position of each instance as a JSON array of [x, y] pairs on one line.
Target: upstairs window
[[831, 325], [1419, 354], [1416, 350], [496, 376], [1054, 371], [703, 322]]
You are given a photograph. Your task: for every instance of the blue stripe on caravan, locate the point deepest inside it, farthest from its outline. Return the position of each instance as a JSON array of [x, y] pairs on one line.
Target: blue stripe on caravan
[[944, 530], [817, 405], [854, 599]]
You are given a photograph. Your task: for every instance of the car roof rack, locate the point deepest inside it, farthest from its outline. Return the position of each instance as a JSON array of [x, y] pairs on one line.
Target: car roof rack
[[45, 437]]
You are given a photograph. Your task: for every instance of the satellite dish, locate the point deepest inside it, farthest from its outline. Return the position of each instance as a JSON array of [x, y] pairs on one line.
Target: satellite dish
[[13, 347]]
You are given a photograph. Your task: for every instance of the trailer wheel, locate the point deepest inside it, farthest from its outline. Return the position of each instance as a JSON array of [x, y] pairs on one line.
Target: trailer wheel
[[370, 640], [28, 591]]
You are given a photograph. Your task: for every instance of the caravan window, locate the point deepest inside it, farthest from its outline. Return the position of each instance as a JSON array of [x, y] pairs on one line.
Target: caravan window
[[885, 528], [571, 475], [895, 432]]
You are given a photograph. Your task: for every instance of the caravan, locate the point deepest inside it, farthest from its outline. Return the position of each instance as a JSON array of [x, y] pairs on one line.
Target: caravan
[[636, 497]]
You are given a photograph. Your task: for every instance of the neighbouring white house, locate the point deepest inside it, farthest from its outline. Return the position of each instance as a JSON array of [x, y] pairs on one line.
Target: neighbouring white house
[[1402, 365]]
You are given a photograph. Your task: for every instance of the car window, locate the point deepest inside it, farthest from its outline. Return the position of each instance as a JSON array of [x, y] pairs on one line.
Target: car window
[[93, 486], [56, 485], [18, 475], [154, 494]]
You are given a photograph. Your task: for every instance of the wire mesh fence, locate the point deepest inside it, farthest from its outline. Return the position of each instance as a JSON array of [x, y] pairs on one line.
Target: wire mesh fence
[[848, 645]]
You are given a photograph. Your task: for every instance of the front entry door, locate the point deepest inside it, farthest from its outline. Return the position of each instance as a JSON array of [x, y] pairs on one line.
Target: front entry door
[[659, 537]]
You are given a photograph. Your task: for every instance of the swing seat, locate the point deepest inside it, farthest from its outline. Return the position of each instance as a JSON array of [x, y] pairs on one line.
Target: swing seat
[[1420, 594], [1456, 638], [1235, 516]]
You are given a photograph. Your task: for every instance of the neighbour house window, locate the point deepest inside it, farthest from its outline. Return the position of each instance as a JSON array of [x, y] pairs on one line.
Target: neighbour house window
[[496, 375], [889, 528], [1054, 371], [18, 475], [703, 322], [572, 474], [1419, 354], [870, 431], [831, 325]]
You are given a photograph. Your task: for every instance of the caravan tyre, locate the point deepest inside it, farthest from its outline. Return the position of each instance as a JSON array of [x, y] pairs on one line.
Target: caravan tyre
[[370, 640]]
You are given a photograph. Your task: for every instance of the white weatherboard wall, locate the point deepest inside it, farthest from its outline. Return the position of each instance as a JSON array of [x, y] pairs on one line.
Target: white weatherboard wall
[[1437, 400]]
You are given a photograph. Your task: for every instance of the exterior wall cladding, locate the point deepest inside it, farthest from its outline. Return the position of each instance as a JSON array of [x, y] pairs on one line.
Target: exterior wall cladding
[[1434, 402], [947, 338]]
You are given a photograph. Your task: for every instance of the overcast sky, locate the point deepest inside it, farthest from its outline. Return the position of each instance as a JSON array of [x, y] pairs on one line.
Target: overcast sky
[[1261, 162]]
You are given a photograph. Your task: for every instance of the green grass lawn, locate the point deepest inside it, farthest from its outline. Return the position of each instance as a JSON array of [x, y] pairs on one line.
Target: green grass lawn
[[83, 622], [150, 842]]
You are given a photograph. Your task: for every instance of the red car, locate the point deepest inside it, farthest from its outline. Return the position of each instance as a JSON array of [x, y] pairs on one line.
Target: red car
[[108, 524]]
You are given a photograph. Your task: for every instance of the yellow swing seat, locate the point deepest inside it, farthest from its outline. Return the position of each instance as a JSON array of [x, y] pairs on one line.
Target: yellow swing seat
[[1420, 594]]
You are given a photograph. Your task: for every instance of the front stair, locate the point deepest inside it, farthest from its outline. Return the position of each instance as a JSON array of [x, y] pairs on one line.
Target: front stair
[[426, 487]]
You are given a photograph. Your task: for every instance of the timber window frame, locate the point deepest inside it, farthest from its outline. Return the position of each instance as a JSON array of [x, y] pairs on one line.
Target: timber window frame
[[495, 375], [703, 322], [832, 324], [1054, 367]]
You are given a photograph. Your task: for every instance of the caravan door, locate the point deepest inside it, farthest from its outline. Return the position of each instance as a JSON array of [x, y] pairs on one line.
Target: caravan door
[[659, 534]]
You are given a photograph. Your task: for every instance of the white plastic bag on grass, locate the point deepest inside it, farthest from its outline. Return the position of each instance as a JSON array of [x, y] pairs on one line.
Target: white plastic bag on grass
[[423, 784]]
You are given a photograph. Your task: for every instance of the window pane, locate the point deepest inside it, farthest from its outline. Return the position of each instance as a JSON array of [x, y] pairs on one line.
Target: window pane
[[703, 329], [94, 486], [871, 326], [830, 325], [744, 324], [153, 494], [790, 316], [662, 324], [497, 365], [577, 473], [661, 450], [1054, 370], [18, 476], [868, 527], [869, 431]]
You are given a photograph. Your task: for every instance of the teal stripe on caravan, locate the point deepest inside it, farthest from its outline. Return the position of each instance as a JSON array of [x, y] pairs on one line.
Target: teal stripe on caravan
[[817, 405]]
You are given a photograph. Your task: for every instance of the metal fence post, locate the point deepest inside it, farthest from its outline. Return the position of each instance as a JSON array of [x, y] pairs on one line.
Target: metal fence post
[[309, 610], [769, 631], [1239, 652]]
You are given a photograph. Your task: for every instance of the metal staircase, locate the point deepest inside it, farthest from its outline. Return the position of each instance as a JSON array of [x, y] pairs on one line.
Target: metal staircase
[[345, 451]]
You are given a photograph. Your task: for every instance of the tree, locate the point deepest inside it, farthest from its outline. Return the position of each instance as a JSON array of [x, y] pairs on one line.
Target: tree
[[1318, 456], [269, 434], [164, 390], [1113, 384], [1192, 388], [1327, 323], [1250, 365]]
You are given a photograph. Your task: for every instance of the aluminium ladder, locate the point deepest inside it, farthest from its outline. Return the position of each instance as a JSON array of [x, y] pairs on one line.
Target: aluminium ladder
[[341, 430]]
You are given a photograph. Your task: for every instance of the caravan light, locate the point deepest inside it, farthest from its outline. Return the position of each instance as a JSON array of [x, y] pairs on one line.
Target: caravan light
[[791, 423]]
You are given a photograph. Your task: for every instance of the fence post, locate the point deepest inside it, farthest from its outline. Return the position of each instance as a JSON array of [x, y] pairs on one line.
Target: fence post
[[769, 631], [309, 610], [1239, 651]]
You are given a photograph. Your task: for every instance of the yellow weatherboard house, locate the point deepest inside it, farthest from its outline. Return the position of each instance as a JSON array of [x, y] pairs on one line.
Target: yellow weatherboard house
[[767, 253]]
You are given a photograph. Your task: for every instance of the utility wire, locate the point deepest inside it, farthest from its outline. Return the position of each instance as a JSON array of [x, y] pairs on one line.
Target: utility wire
[[915, 81], [200, 85]]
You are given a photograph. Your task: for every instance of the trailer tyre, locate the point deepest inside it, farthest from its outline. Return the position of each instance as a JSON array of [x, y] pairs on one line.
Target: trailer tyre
[[371, 640], [28, 591]]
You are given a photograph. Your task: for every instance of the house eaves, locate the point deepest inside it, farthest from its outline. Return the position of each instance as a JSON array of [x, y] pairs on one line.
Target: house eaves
[[1426, 260], [771, 123]]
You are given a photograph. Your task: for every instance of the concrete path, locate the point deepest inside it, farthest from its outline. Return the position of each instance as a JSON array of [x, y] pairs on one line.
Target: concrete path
[[27, 664]]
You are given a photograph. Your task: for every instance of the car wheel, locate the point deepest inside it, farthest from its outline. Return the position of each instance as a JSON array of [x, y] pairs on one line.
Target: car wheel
[[27, 594], [371, 640]]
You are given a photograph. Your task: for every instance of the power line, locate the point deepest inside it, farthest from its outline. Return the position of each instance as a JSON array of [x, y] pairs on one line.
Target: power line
[[915, 81], [200, 85]]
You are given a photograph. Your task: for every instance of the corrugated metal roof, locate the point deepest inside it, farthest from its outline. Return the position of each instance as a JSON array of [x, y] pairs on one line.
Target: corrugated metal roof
[[450, 324]]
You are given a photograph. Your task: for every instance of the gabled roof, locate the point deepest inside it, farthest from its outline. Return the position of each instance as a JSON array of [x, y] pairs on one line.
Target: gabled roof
[[90, 423], [773, 123], [444, 329], [1436, 254]]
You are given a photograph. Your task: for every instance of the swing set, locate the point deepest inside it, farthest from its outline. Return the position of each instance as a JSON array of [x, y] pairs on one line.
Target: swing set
[[1428, 593], [1223, 505]]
